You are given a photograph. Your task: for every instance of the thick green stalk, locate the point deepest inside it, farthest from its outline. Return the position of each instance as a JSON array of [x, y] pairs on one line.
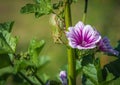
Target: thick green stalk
[[85, 11], [70, 51]]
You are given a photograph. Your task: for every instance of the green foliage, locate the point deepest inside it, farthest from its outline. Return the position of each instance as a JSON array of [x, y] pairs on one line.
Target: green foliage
[[89, 70], [7, 42], [41, 7], [26, 65], [4, 60], [110, 76], [111, 71], [22, 64], [44, 77], [6, 70], [7, 46], [34, 49], [6, 26], [91, 73], [78, 67], [43, 60], [58, 5], [53, 82], [113, 68], [94, 75], [30, 61], [86, 81], [118, 48], [97, 64], [82, 53]]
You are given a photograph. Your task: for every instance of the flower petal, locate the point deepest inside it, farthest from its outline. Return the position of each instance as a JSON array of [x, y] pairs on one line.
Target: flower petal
[[63, 77], [79, 26], [104, 45], [82, 37]]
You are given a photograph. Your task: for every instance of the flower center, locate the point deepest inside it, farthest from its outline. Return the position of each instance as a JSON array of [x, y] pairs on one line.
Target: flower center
[[83, 43]]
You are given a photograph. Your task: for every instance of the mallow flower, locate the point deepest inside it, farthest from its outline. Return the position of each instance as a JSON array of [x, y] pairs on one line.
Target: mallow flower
[[83, 36], [63, 77], [104, 45]]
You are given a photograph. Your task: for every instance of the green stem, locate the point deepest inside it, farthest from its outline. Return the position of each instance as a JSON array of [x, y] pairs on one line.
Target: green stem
[[99, 71], [70, 51], [27, 79], [85, 11], [41, 82], [21, 74]]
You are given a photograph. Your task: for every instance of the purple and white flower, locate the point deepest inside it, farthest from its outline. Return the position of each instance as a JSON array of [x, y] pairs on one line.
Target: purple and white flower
[[104, 45], [82, 36], [63, 77]]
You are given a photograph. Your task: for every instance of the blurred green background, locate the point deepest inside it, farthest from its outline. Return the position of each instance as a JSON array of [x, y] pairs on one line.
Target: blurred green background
[[104, 15]]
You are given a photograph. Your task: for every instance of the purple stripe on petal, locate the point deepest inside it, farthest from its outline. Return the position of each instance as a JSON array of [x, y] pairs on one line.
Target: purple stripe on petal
[[79, 26], [82, 36]]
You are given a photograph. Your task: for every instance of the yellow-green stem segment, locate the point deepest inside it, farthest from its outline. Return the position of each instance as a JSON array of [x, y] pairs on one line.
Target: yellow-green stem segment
[[70, 51]]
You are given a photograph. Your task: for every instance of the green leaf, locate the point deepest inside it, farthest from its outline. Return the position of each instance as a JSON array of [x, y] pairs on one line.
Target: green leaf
[[86, 81], [6, 26], [114, 82], [5, 70], [111, 71], [7, 42], [83, 53], [78, 67], [118, 48], [58, 5], [37, 1], [4, 60], [43, 60], [111, 81], [88, 59], [91, 73], [89, 70], [2, 82], [41, 7], [44, 77], [21, 65], [34, 49], [110, 76], [112, 67], [99, 70], [30, 8]]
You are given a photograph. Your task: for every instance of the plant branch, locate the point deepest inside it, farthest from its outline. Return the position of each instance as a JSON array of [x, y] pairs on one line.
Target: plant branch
[[85, 11], [70, 51], [27, 79], [21, 74], [42, 83]]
